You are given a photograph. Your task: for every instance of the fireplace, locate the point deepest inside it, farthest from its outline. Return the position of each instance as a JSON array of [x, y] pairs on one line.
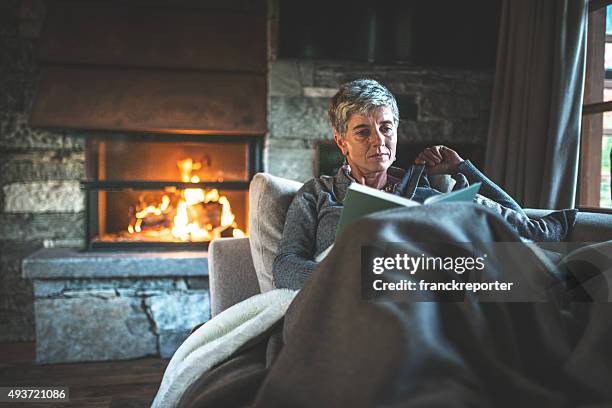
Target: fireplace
[[163, 191]]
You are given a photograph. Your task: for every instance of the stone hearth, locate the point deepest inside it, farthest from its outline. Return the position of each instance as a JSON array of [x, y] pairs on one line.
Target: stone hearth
[[111, 306]]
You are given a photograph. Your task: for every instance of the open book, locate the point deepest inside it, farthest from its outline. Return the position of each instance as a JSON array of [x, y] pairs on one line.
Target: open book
[[362, 200]]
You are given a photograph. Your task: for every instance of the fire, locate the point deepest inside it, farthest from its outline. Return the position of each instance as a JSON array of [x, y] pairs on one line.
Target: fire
[[189, 215]]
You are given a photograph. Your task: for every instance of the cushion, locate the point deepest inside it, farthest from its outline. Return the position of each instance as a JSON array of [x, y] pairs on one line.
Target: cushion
[[269, 199]]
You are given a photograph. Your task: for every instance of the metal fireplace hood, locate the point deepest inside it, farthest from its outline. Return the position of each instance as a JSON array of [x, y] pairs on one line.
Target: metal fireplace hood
[[192, 69]]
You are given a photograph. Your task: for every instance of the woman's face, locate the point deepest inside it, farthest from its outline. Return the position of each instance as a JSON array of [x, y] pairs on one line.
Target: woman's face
[[370, 141]]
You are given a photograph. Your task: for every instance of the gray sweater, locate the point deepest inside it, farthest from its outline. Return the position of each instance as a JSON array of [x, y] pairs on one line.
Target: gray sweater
[[314, 213]]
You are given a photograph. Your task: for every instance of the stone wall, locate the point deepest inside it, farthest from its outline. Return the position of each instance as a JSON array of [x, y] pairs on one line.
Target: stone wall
[[40, 202], [436, 105], [92, 306], [116, 319]]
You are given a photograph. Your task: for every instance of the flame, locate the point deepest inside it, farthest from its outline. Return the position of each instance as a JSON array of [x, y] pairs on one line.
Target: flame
[[186, 166], [227, 218], [185, 224]]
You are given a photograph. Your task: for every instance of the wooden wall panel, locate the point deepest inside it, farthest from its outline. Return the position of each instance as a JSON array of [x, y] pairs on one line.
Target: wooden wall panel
[[141, 36], [151, 100]]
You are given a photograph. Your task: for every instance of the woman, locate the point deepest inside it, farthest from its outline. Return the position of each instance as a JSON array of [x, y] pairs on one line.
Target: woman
[[365, 117]]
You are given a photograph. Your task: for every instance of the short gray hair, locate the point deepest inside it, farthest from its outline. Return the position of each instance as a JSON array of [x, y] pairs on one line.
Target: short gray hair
[[359, 96]]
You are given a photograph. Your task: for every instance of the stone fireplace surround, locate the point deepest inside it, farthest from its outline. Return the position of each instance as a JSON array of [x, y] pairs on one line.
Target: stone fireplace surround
[[110, 306], [91, 306]]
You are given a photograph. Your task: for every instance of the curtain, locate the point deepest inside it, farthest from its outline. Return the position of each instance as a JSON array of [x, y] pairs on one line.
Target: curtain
[[534, 131]]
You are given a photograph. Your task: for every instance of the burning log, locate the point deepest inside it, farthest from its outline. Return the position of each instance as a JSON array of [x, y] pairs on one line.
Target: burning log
[[207, 214], [192, 214]]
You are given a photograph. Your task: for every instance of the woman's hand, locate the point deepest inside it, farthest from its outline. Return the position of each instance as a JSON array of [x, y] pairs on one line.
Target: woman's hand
[[439, 160]]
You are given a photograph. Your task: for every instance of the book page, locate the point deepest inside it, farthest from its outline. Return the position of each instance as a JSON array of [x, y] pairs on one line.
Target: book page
[[464, 195]]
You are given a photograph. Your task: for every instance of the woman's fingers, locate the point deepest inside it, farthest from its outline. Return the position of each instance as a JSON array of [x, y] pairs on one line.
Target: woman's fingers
[[432, 155], [424, 159], [437, 151], [439, 159], [427, 157], [451, 156]]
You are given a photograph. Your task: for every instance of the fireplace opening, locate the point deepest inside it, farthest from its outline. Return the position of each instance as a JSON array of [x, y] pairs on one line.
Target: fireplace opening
[[168, 192]]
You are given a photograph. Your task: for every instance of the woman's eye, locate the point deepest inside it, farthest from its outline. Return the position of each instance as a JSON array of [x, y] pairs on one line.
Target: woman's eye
[[387, 129], [363, 133]]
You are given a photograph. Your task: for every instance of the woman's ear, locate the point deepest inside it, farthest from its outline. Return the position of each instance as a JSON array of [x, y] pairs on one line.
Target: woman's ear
[[340, 142]]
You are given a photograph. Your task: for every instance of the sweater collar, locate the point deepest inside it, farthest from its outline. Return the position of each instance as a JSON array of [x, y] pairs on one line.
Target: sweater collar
[[344, 179]]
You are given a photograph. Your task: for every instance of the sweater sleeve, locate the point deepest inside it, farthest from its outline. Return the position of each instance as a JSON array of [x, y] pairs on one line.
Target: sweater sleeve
[[488, 189], [294, 262]]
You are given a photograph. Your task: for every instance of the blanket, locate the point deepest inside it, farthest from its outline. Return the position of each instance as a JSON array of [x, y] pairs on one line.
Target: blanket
[[341, 350], [218, 339]]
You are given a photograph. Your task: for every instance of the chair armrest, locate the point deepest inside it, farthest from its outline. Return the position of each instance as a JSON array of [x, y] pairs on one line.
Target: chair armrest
[[589, 227], [231, 273]]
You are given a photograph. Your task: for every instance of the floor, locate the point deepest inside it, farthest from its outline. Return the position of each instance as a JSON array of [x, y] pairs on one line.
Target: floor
[[126, 384]]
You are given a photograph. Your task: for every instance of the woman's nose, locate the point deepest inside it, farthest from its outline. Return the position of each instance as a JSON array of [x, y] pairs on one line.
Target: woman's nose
[[378, 138]]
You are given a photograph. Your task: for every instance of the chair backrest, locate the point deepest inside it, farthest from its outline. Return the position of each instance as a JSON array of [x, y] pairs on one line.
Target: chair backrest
[[269, 199]]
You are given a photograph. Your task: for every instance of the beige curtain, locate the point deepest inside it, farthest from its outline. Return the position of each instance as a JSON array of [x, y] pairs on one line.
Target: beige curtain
[[534, 132]]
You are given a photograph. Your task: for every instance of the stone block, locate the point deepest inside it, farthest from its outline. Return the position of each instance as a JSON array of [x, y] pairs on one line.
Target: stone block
[[44, 197], [397, 79], [298, 118], [328, 76], [162, 309], [16, 134], [169, 342], [319, 92], [288, 77], [284, 78], [197, 283], [42, 165], [424, 131], [306, 70], [16, 298], [448, 106], [30, 227], [95, 293], [49, 288], [19, 54], [15, 91], [407, 79], [174, 315], [64, 263], [92, 328], [179, 311], [64, 243], [288, 159], [123, 287]]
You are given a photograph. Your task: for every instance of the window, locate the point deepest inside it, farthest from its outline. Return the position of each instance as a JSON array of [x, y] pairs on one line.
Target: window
[[596, 144]]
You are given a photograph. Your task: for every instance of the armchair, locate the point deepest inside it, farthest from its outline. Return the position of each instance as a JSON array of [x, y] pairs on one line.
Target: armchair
[[242, 267]]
